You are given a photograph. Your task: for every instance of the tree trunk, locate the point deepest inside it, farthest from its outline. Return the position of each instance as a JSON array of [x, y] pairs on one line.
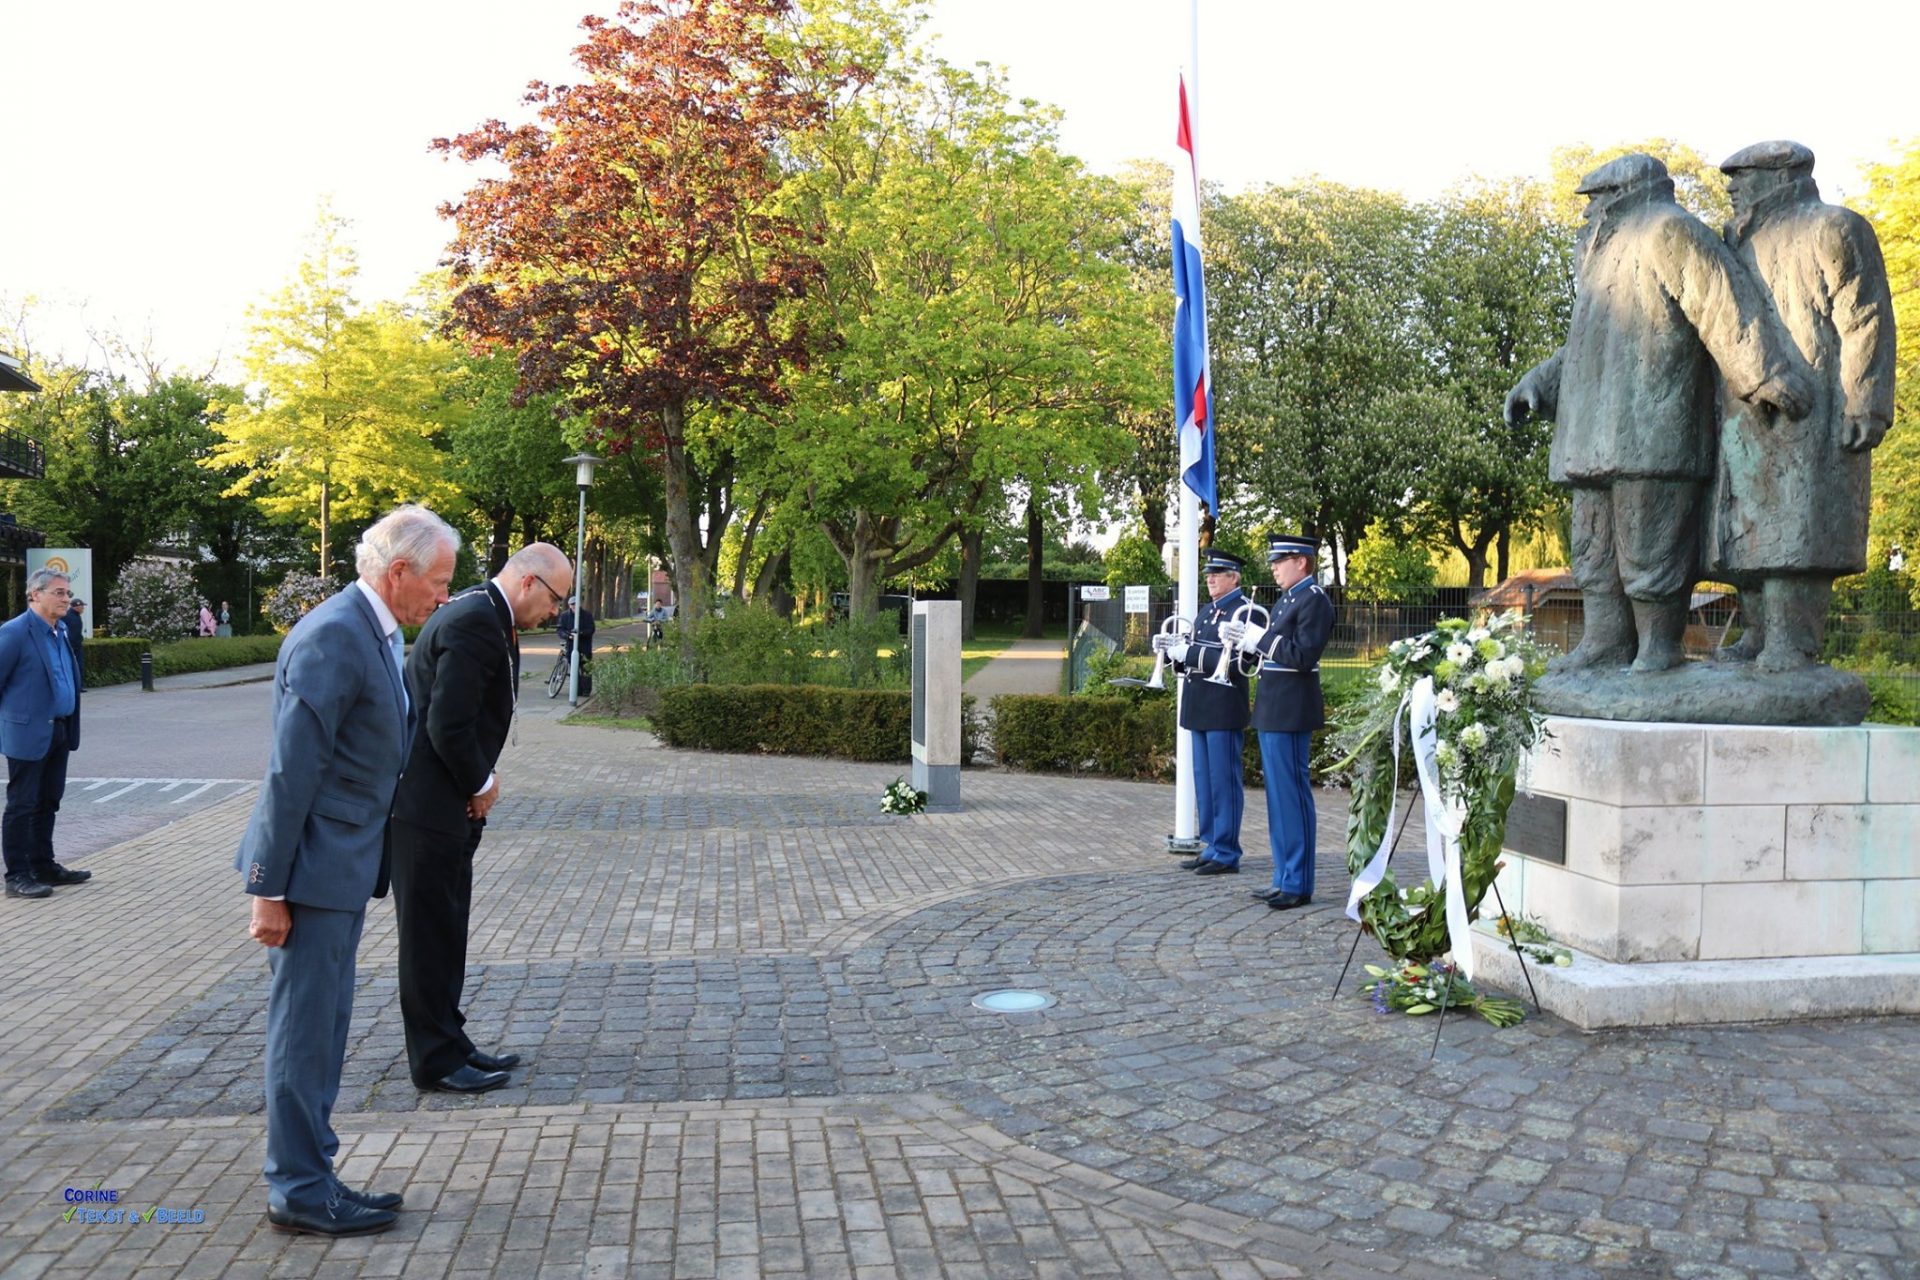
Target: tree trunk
[[682, 535], [502, 535], [972, 546], [1036, 578], [749, 532], [326, 520], [1503, 549], [770, 584], [1153, 514]]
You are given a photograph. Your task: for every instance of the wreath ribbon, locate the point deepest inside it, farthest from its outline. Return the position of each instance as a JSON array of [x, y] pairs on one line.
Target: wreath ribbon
[[1445, 819]]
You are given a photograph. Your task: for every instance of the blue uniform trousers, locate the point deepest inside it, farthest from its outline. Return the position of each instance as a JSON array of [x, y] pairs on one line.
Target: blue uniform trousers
[[1219, 792], [1284, 757], [309, 1007]]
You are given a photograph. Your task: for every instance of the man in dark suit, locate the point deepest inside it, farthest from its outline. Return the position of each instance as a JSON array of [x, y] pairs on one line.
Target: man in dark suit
[[315, 850], [39, 725], [74, 624], [1287, 708], [1216, 714], [464, 676]]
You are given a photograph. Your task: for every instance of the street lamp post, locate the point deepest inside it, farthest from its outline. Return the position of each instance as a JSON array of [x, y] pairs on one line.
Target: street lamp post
[[583, 464]]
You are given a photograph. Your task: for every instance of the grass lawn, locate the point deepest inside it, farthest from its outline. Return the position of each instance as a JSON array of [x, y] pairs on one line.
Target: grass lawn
[[990, 639]]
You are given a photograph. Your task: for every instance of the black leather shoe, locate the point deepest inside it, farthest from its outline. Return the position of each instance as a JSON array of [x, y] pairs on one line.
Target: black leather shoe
[[340, 1216], [57, 874], [1216, 869], [1264, 895], [467, 1079], [27, 887], [387, 1201], [1193, 864], [1288, 901], [492, 1061]]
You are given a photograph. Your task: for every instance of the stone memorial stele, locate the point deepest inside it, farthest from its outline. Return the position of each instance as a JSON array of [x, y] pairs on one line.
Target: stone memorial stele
[[1714, 406]]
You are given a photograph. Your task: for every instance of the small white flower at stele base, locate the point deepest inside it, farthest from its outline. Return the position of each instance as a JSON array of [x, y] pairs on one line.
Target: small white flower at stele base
[[1448, 702], [1459, 653]]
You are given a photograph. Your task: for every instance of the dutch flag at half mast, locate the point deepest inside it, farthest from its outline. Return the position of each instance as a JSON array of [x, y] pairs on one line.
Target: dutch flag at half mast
[[1192, 384]]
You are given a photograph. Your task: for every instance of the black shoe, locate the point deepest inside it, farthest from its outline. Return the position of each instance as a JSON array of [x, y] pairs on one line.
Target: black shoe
[[57, 874], [492, 1061], [1264, 895], [1217, 869], [385, 1201], [340, 1216], [467, 1079], [1288, 901], [27, 887], [1193, 864]]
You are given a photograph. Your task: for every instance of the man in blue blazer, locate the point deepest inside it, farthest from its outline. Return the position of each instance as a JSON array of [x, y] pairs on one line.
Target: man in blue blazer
[[39, 725], [315, 850]]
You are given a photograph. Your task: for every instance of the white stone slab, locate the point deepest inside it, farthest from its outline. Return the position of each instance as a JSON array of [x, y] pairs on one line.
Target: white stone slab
[[1776, 765], [1891, 920], [1893, 764], [1788, 918], [1620, 922], [1853, 841], [1681, 844], [1621, 763], [1593, 993]]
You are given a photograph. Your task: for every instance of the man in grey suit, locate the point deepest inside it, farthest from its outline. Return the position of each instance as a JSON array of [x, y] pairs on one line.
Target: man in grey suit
[[315, 850]]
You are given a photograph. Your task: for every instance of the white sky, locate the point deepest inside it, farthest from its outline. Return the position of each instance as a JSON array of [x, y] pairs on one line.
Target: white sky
[[164, 160]]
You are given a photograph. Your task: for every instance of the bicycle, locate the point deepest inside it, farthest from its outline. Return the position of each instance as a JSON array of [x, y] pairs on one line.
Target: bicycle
[[557, 678]]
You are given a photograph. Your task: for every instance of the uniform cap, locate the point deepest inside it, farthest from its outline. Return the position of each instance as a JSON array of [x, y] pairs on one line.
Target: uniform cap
[[1223, 560], [1287, 544]]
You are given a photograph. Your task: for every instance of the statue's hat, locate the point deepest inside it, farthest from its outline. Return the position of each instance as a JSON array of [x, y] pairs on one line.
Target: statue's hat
[[1632, 170], [1778, 154]]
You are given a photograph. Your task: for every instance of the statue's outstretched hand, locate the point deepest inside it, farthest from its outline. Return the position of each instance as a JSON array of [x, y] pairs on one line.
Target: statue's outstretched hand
[[1523, 402]]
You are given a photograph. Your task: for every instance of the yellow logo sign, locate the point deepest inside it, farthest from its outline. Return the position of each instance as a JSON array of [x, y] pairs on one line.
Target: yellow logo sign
[[58, 564]]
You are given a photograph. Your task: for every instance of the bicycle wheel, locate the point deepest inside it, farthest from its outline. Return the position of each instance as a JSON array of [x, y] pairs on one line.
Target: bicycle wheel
[[557, 678]]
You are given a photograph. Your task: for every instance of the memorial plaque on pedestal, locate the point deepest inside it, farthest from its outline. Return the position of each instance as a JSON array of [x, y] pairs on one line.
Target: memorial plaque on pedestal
[[1537, 827]]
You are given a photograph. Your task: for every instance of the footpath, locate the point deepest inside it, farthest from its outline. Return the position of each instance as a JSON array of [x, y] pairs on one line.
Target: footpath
[[745, 1000]]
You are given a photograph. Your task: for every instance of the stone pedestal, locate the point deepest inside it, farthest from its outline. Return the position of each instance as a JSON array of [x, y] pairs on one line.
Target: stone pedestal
[[1718, 873], [934, 646]]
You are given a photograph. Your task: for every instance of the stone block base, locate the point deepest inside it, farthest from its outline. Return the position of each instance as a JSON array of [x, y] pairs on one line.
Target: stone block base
[[1593, 993]]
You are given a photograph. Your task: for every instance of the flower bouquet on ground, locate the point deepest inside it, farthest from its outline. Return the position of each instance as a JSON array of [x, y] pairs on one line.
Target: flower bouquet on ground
[[900, 797], [1473, 679], [1418, 989]]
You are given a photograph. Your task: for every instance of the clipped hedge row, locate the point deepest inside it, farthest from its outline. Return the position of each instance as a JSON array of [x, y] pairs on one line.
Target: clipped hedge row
[[117, 660], [1117, 737], [112, 661], [796, 720]]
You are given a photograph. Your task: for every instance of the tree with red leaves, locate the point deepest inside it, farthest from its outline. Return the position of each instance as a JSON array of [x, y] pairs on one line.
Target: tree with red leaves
[[631, 255]]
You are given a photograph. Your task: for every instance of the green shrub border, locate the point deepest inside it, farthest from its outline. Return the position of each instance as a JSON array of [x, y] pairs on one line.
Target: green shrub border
[[797, 720], [117, 660]]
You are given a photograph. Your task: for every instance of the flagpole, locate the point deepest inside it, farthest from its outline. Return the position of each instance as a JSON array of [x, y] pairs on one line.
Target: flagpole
[[1185, 822]]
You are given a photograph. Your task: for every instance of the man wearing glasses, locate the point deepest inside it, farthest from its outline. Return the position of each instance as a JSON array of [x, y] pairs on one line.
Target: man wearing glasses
[[463, 675], [39, 725]]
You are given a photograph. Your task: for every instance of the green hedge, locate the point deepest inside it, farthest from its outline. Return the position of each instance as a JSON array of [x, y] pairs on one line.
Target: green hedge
[[1118, 737], [117, 661], [112, 661], [213, 653], [796, 720]]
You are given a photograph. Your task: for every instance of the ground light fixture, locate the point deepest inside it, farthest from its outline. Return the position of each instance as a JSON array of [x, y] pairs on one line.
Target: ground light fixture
[[1014, 1000]]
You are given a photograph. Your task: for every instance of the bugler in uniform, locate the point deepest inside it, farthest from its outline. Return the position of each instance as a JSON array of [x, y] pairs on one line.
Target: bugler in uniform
[[1217, 716], [1287, 708]]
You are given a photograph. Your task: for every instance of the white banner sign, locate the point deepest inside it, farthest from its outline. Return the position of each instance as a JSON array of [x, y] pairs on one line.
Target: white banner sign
[[77, 564], [1136, 599], [1095, 593]]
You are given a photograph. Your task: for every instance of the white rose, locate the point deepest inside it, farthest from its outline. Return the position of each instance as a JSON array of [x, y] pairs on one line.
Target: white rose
[[1448, 702], [1421, 652], [1478, 634], [1459, 653], [1473, 737], [1388, 681]]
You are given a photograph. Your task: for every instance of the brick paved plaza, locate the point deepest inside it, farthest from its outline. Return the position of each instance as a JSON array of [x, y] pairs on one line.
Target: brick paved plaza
[[745, 997]]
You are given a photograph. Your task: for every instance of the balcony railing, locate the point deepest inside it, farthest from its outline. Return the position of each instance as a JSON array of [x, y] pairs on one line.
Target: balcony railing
[[21, 457]]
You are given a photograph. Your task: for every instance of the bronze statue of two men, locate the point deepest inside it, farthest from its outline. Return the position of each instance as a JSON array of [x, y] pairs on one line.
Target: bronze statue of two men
[[1715, 404]]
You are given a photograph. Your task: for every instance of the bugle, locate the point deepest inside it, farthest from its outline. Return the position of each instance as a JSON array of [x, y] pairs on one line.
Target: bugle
[[1248, 612], [1178, 628]]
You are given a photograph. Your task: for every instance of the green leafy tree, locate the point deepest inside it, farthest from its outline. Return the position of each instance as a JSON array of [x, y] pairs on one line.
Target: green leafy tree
[[1496, 290], [983, 331], [121, 473], [1892, 203], [1317, 358], [1135, 561], [505, 456], [1390, 568], [348, 405]]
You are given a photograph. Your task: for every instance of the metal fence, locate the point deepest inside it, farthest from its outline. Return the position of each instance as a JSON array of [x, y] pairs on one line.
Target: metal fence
[[1885, 645]]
